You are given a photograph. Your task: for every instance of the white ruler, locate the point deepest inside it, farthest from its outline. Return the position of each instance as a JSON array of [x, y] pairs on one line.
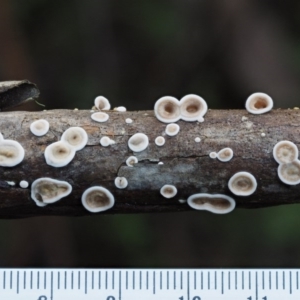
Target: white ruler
[[144, 284]]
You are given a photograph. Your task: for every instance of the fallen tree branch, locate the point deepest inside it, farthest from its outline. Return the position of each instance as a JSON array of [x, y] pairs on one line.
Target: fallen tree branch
[[187, 164]]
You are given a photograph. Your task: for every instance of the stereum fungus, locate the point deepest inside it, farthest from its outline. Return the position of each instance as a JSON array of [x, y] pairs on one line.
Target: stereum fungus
[[215, 203], [76, 137], [160, 141], [192, 108], [102, 103], [285, 152], [121, 182], [39, 127], [138, 142], [168, 191], [172, 129], [59, 154], [100, 117], [225, 154], [131, 160], [289, 173], [97, 198], [242, 184], [47, 190], [259, 103], [167, 110], [11, 153]]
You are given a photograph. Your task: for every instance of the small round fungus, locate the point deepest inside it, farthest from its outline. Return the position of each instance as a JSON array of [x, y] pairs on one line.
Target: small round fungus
[[262, 134], [225, 154], [24, 184], [242, 184], [131, 160], [182, 201], [12, 183], [76, 137], [121, 182], [168, 191], [160, 141], [197, 140], [11, 153], [128, 121], [39, 127], [289, 173], [105, 141], [47, 190], [213, 154], [160, 163], [285, 152], [59, 154], [96, 199], [192, 108], [172, 129], [259, 103], [120, 108], [167, 110], [102, 103], [215, 203], [100, 117], [138, 142], [200, 120]]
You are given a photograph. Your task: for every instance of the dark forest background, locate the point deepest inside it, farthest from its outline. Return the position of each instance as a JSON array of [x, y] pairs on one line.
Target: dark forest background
[[134, 52]]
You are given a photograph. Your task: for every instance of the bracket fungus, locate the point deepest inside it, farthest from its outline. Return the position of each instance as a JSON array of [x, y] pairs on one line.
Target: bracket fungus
[[138, 142], [160, 141], [128, 121], [285, 152], [24, 184], [192, 108], [197, 139], [167, 110], [102, 103], [76, 137], [120, 108], [105, 141], [39, 127], [97, 198], [100, 117], [259, 103], [59, 154], [242, 184], [168, 191], [131, 160], [11, 153], [289, 173], [47, 190], [121, 182], [225, 154], [215, 203], [213, 155], [172, 129]]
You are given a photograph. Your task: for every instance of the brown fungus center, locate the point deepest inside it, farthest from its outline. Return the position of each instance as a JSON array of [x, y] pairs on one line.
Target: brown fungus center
[[260, 103], [219, 203], [243, 183], [97, 199]]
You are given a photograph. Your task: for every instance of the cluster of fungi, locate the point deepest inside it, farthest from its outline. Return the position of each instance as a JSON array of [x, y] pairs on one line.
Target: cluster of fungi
[[169, 110]]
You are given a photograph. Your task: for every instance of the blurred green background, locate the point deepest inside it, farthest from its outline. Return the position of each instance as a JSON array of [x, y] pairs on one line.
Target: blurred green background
[[134, 52]]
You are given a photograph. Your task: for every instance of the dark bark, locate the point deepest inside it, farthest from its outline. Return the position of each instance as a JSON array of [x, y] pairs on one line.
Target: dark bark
[[187, 164]]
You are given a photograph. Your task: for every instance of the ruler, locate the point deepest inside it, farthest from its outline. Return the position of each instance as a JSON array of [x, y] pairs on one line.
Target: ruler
[[146, 284]]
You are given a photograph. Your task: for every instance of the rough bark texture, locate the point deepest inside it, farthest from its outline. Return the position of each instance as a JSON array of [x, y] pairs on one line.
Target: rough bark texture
[[187, 164]]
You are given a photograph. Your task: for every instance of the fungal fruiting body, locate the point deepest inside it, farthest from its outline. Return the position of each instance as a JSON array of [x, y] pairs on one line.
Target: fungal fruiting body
[[138, 142], [289, 173], [59, 154], [96, 199], [215, 203], [128, 121], [121, 182], [242, 184], [197, 140], [105, 141], [102, 103], [160, 141], [47, 190], [39, 127], [131, 160], [76, 137], [285, 152], [259, 103], [172, 129], [167, 110], [11, 153], [213, 154], [225, 154], [120, 108], [168, 191], [192, 108], [24, 184], [100, 117]]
